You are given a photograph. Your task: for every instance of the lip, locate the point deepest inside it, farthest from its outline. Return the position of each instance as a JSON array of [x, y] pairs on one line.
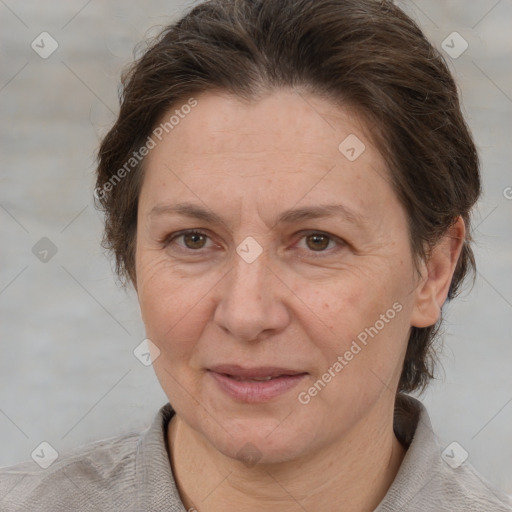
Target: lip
[[248, 391], [253, 373]]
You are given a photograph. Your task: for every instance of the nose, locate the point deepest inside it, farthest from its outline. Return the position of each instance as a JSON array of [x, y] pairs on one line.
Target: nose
[[252, 302]]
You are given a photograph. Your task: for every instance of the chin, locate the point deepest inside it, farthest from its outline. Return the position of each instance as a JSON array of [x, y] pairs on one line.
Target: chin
[[253, 445]]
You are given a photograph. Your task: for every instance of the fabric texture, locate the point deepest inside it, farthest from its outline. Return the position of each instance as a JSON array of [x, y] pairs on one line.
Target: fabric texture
[[132, 473]]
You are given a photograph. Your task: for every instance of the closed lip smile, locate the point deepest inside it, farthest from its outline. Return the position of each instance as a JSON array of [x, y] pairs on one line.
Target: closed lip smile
[[257, 384], [260, 372]]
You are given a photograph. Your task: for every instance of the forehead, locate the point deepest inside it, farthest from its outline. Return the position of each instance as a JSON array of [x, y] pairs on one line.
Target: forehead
[[285, 148], [284, 120]]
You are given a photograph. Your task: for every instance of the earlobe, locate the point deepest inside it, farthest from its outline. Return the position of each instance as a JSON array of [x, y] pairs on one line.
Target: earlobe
[[437, 273]]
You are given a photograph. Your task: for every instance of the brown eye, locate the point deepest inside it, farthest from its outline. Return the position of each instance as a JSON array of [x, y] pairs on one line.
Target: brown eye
[[317, 242], [194, 240]]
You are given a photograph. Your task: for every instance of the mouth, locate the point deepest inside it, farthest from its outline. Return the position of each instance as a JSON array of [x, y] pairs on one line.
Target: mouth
[[252, 385], [255, 379]]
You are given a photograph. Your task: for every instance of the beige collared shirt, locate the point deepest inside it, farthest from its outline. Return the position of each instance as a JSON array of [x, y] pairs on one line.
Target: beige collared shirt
[[132, 473]]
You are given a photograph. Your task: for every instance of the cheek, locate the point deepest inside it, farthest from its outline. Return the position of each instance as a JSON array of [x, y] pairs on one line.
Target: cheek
[[345, 306], [365, 320], [173, 307]]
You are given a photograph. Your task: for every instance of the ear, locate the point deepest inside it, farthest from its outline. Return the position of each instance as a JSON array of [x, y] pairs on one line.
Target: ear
[[437, 273]]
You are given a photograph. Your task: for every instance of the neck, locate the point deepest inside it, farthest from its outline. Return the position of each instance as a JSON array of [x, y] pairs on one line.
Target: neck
[[352, 474]]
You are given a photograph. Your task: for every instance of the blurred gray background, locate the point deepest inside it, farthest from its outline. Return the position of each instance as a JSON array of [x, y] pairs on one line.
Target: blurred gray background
[[67, 371]]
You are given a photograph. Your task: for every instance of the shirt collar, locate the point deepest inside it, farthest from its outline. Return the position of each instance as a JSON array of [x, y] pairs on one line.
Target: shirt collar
[[156, 487], [413, 429]]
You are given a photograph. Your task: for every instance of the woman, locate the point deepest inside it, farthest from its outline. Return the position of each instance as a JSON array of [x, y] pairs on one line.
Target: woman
[[288, 187]]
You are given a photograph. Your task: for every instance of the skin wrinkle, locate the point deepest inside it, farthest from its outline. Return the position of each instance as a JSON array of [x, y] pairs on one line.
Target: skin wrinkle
[[339, 451]]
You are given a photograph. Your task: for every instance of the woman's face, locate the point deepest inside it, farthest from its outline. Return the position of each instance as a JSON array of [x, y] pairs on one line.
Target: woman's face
[[302, 266]]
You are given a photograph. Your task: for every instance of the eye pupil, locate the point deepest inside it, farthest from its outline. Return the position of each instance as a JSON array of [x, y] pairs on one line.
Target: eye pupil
[[197, 240], [324, 242]]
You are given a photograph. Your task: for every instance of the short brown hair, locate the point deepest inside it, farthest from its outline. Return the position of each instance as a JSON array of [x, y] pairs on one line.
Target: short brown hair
[[366, 54]]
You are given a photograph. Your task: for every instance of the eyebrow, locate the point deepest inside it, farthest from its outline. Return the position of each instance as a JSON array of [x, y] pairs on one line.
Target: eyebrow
[[291, 216]]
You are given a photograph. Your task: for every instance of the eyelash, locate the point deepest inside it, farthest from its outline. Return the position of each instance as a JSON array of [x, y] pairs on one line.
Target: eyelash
[[315, 254]]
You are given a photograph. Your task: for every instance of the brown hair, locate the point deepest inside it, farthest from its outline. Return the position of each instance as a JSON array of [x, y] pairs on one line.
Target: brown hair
[[366, 54]]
